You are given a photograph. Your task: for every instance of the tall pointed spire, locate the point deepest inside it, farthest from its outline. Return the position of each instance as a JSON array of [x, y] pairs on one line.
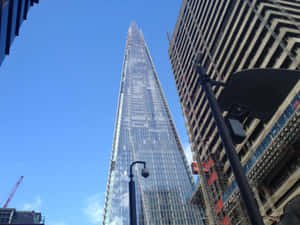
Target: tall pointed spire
[[145, 131]]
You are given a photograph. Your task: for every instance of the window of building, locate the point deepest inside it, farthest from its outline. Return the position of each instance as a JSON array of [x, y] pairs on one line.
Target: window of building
[[262, 196], [281, 173], [257, 131]]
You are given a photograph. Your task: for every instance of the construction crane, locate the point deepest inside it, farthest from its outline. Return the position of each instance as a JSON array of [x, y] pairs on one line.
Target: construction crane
[[13, 191]]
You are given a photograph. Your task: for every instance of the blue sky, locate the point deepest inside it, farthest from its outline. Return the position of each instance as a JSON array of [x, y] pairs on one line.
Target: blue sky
[[58, 95]]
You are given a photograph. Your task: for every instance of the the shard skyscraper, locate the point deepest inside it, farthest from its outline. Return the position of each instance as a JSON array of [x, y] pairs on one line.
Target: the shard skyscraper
[[144, 130]]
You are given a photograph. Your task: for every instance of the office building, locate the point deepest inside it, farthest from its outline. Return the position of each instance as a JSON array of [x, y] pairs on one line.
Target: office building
[[12, 216], [145, 131], [233, 36], [12, 15]]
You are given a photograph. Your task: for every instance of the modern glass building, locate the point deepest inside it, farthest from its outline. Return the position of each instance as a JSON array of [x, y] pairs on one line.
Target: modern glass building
[[144, 130]]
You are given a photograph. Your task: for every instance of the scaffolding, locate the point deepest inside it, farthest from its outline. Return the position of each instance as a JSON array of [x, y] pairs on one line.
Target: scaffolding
[[212, 185]]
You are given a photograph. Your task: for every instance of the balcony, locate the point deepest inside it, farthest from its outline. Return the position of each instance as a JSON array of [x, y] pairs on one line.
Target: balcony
[[271, 149]]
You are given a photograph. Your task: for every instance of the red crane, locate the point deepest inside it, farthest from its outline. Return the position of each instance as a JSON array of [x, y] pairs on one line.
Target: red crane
[[13, 191]]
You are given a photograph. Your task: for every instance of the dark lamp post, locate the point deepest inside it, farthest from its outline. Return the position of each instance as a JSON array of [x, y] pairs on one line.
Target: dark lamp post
[[246, 194], [132, 200], [261, 91]]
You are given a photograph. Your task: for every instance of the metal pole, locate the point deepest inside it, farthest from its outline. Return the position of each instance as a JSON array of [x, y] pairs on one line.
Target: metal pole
[[132, 202], [241, 179]]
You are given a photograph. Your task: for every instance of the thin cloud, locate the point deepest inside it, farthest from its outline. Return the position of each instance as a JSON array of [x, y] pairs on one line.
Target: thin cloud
[[94, 208], [36, 205], [188, 153], [117, 221], [124, 200], [56, 223]]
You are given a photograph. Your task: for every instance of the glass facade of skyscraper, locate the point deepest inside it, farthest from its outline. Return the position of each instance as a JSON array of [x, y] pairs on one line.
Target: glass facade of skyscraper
[[145, 131]]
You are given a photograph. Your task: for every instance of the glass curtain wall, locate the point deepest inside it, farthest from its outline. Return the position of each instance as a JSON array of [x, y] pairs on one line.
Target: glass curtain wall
[[145, 131]]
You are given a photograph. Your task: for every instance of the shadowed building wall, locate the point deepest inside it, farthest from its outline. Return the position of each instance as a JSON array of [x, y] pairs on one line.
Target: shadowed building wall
[[12, 15], [12, 216], [234, 35]]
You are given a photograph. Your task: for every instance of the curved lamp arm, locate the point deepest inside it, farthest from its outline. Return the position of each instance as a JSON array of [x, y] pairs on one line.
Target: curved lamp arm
[[136, 162]]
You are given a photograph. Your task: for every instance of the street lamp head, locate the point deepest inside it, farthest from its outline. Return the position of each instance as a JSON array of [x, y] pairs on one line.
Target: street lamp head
[[260, 91], [145, 172]]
